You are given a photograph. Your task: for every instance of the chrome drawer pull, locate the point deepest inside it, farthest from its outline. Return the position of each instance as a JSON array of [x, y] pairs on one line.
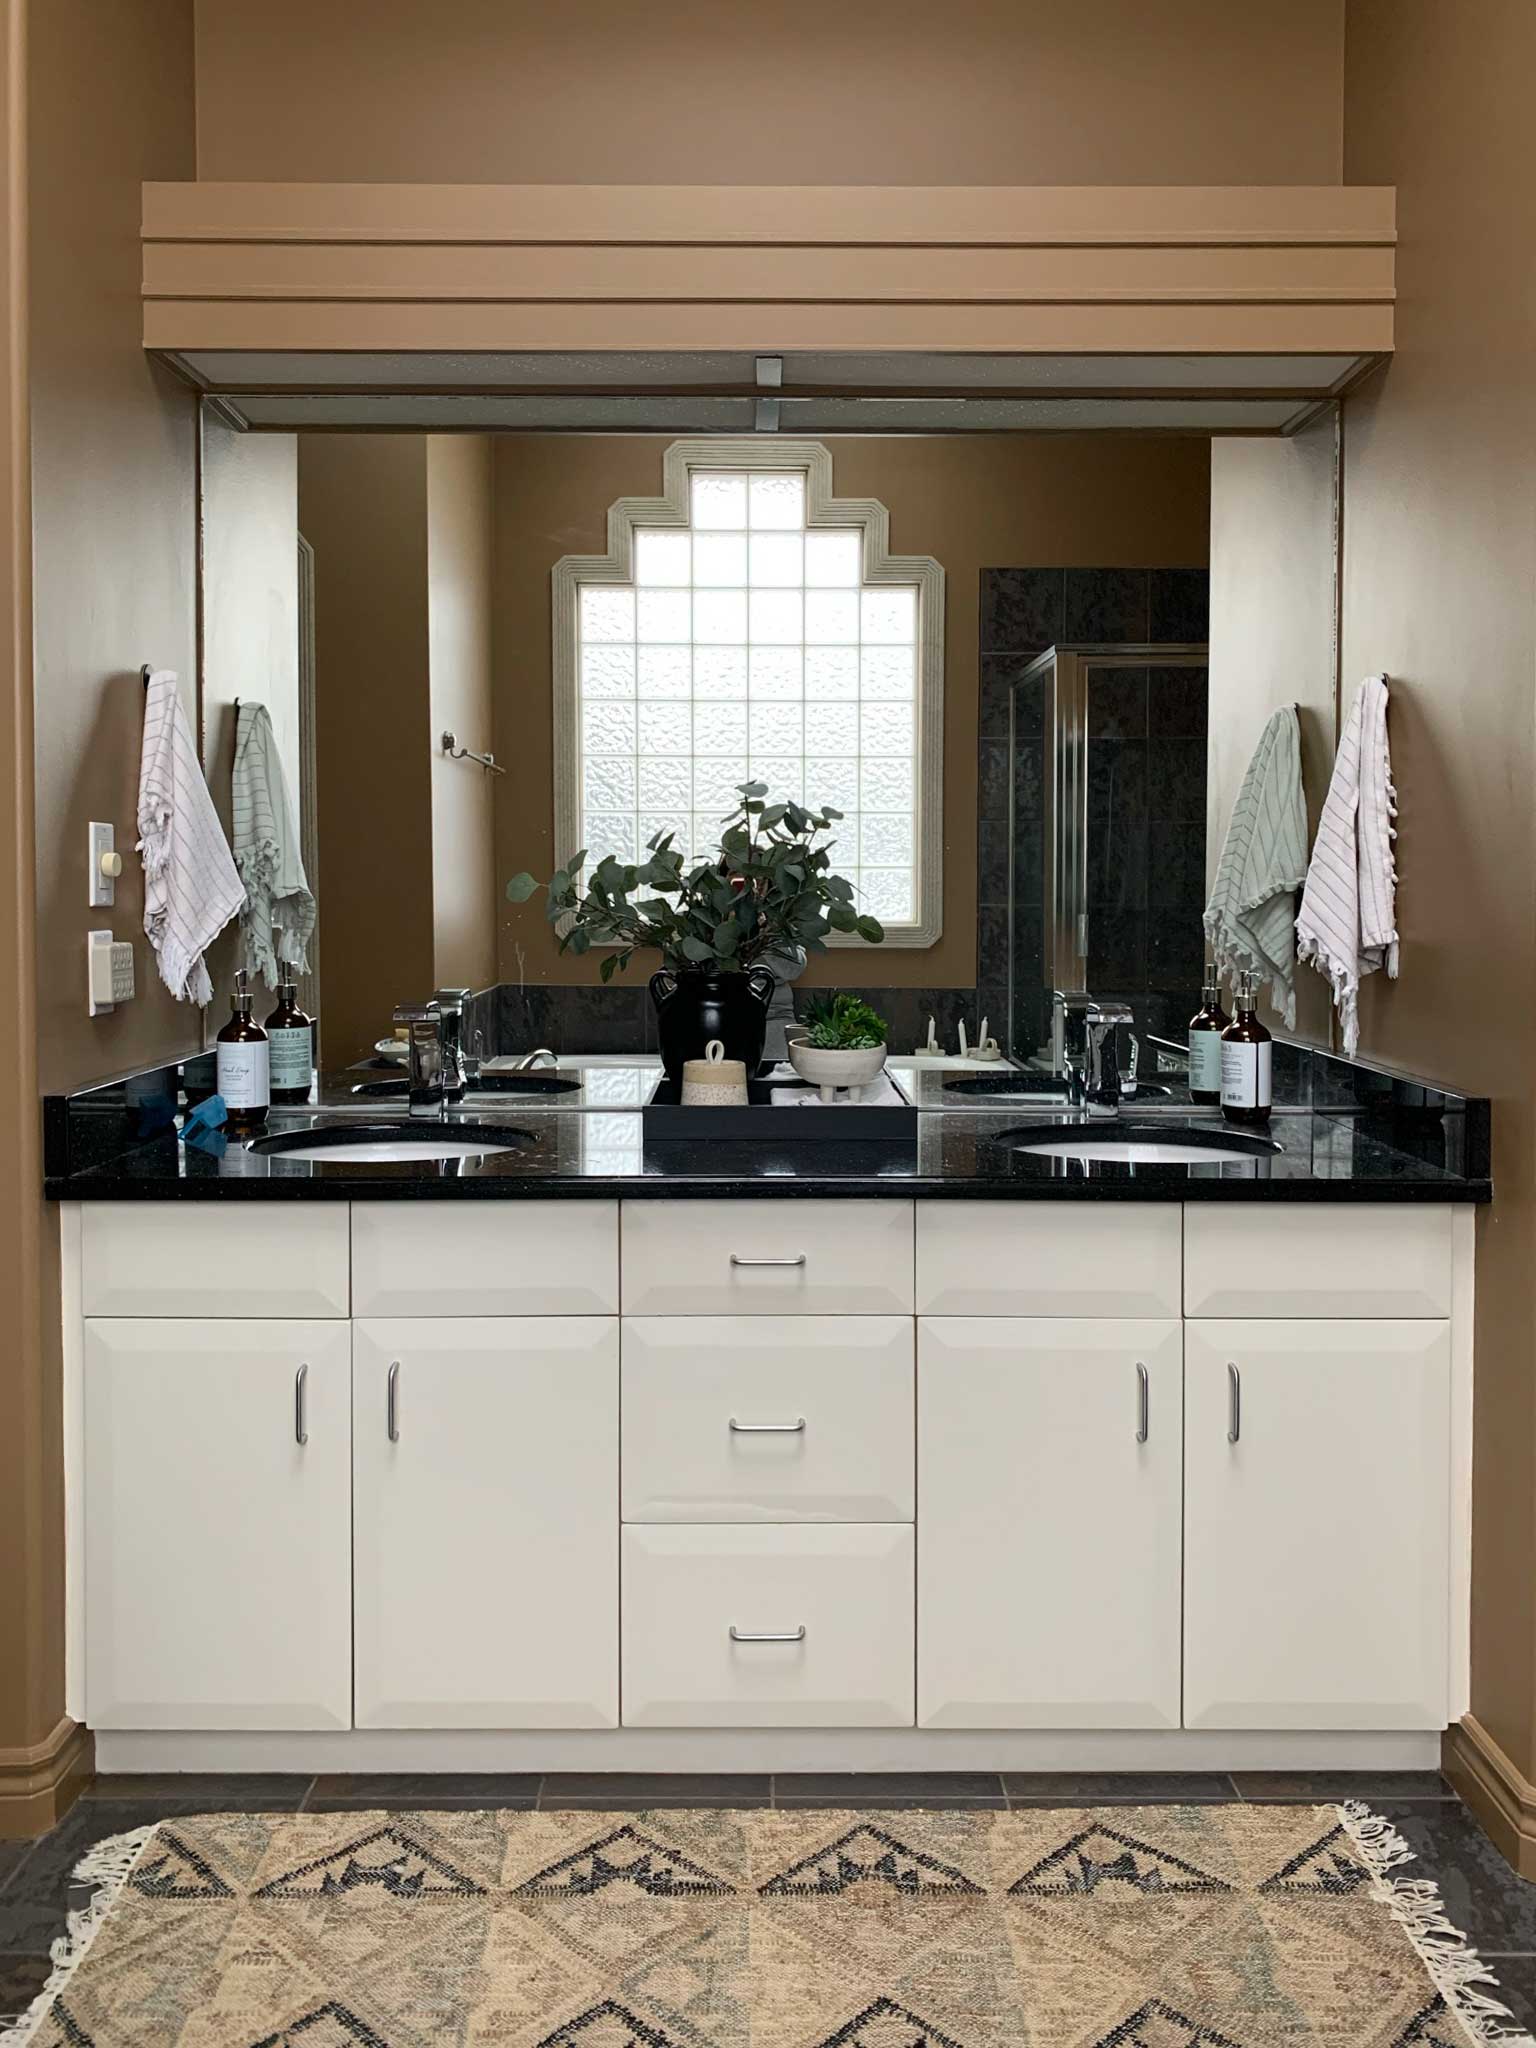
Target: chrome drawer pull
[[1234, 1404], [300, 1407], [768, 1428], [392, 1402], [797, 1260], [1143, 1404], [747, 1635]]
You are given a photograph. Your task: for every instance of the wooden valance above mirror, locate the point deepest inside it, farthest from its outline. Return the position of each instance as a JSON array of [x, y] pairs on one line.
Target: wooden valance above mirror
[[1222, 309]]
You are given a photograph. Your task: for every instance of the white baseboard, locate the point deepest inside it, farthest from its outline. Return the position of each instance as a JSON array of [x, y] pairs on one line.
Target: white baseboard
[[766, 1749]]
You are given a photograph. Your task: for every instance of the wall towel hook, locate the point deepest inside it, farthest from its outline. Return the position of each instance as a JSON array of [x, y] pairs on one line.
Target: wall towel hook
[[455, 752]]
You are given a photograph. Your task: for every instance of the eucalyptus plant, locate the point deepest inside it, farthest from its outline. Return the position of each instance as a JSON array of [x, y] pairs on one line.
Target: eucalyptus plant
[[770, 891]]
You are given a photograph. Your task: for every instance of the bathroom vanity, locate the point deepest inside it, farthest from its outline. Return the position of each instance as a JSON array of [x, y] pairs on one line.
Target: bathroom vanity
[[963, 1463]]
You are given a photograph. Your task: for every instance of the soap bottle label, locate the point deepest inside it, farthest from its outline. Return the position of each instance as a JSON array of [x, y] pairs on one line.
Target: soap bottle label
[[244, 1081], [290, 1055], [1245, 1074], [1205, 1061]]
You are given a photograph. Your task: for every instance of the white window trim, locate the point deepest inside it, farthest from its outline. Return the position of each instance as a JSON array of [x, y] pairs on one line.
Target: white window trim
[[880, 566]]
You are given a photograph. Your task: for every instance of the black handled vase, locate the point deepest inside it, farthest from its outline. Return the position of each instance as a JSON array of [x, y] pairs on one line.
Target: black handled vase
[[694, 1007]]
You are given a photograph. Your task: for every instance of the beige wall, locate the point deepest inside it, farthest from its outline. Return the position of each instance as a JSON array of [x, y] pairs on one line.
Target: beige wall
[[250, 626], [114, 495], [1440, 591], [971, 501], [903, 93], [1274, 613], [363, 509], [459, 604], [98, 576]]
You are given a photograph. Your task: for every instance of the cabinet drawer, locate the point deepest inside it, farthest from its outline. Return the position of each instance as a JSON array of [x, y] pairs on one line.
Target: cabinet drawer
[[1045, 1259], [485, 1259], [1317, 1260], [768, 1419], [181, 1259], [767, 1258], [841, 1596]]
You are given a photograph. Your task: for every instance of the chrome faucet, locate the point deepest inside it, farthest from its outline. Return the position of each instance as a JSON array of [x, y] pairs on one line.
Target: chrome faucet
[[530, 1060], [434, 1051], [1087, 1030]]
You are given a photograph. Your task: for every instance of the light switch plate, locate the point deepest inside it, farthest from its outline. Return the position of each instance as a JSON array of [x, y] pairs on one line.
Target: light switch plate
[[108, 972], [101, 889]]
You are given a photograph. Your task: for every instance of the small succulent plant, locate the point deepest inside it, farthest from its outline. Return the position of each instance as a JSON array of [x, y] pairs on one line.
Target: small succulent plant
[[843, 1023]]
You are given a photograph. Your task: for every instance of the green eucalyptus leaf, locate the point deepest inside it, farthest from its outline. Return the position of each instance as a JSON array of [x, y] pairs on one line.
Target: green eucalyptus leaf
[[872, 929], [521, 887], [694, 948]]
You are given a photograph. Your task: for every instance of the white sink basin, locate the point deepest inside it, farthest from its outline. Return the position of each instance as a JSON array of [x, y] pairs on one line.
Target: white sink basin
[[335, 1145], [1138, 1151]]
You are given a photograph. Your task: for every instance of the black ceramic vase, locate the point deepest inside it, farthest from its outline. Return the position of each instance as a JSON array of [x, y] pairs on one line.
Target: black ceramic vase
[[694, 1007]]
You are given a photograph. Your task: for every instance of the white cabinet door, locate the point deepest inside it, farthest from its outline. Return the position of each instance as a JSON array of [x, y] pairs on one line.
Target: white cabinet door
[[1048, 1486], [485, 1259], [217, 1549], [1049, 1259], [768, 1419], [792, 1627], [1316, 1544], [487, 1522]]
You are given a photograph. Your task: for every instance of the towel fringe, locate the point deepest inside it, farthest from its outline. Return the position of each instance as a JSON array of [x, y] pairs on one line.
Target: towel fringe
[[1454, 1966], [109, 1865]]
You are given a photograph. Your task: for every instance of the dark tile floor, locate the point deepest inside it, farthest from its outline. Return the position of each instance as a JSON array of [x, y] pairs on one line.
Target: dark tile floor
[[1495, 1909]]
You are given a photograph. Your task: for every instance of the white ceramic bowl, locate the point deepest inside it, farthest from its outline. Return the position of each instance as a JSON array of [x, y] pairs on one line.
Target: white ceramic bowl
[[828, 1069]]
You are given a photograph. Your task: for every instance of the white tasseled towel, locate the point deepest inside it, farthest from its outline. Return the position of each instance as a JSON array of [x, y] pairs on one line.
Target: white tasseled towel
[[267, 853], [191, 885], [1250, 919], [1347, 926]]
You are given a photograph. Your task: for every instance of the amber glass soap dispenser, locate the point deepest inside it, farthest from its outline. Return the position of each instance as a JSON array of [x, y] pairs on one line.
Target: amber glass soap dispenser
[[1247, 1051], [291, 1043], [1205, 1029], [241, 1054]]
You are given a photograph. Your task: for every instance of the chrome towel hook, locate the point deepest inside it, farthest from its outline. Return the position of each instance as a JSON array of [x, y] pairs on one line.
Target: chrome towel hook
[[455, 752]]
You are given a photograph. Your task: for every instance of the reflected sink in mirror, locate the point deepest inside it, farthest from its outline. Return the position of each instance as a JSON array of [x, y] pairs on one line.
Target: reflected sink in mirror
[[389, 1144], [1137, 1145], [537, 1083]]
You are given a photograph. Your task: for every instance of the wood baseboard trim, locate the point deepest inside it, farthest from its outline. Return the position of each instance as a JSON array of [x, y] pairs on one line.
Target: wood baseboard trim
[[39, 1785], [1501, 1796]]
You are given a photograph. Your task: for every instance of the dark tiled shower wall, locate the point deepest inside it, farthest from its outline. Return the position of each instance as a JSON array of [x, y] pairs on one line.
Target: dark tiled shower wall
[[1024, 611]]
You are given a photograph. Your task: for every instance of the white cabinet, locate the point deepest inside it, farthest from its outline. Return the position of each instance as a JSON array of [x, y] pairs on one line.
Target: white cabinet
[[183, 1259], [485, 1258], [218, 1524], [1316, 1524], [806, 1627], [1048, 1258], [769, 1257], [768, 1419], [486, 1523], [1049, 1532], [1383, 1259]]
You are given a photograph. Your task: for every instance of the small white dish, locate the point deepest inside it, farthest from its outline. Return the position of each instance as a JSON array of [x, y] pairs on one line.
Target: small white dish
[[830, 1068], [391, 1049]]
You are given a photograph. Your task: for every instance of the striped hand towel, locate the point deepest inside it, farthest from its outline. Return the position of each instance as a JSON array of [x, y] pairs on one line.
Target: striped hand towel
[[267, 853], [1348, 922], [1250, 919], [191, 886]]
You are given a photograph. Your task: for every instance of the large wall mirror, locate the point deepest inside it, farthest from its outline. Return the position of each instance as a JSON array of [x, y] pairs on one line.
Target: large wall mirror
[[1028, 668]]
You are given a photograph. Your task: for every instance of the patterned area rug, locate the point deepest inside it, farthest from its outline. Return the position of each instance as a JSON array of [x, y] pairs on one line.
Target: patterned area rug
[[1121, 1927]]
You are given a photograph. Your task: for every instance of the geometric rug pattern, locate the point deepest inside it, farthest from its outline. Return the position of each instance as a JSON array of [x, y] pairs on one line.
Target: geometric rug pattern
[[1121, 1927]]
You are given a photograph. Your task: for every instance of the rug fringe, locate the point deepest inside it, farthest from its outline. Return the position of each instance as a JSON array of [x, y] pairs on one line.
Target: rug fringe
[[109, 1865], [1415, 1903]]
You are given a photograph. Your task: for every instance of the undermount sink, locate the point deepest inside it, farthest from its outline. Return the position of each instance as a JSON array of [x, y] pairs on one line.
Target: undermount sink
[[388, 1144], [1191, 1145]]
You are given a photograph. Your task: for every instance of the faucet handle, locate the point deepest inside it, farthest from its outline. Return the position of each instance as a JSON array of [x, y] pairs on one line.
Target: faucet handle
[[450, 1001], [416, 1013]]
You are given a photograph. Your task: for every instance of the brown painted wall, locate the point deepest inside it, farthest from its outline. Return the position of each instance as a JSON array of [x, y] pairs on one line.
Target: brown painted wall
[[1274, 607], [994, 92], [972, 502], [1440, 591], [114, 495], [459, 605], [363, 509]]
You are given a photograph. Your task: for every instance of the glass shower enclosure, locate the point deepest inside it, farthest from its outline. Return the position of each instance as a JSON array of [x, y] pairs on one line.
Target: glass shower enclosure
[[1107, 833]]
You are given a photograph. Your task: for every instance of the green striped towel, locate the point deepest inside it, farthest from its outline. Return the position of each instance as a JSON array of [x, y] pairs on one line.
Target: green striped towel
[[1250, 921]]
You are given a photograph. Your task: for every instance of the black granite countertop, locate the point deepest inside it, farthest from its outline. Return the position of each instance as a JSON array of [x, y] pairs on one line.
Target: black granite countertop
[[1385, 1149]]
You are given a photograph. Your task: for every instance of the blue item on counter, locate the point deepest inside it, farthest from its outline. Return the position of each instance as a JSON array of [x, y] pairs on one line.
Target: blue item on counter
[[204, 1126]]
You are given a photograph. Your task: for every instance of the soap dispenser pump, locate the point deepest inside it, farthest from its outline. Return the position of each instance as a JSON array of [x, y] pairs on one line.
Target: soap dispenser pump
[[241, 1056]]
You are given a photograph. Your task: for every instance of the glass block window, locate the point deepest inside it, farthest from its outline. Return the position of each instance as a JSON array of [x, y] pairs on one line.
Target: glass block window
[[761, 633]]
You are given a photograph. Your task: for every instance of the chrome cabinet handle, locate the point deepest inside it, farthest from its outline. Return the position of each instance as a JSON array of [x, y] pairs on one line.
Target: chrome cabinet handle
[[768, 1428], [1143, 1404], [300, 1406], [392, 1402], [797, 1260], [1234, 1403], [747, 1635]]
